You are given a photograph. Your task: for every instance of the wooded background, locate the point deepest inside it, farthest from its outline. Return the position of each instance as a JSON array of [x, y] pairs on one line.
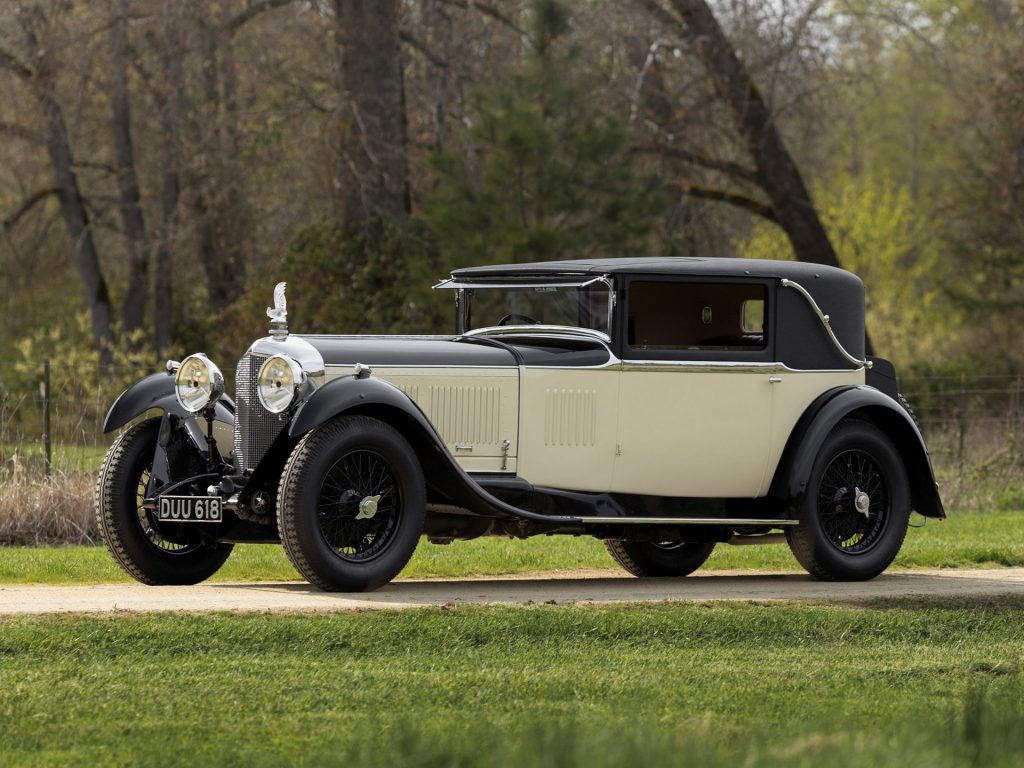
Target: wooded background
[[163, 164]]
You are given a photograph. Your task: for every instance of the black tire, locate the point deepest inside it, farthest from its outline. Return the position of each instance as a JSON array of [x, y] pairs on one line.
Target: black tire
[[644, 558], [331, 479], [835, 541], [150, 552]]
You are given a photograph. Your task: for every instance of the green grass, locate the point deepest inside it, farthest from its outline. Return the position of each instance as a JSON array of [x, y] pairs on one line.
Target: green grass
[[970, 540], [64, 456], [900, 683]]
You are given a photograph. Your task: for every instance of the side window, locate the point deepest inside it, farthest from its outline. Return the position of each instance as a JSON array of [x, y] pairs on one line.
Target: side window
[[696, 316]]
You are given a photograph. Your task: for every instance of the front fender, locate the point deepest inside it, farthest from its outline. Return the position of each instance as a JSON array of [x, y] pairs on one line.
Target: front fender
[[385, 401], [867, 403], [157, 391], [347, 392]]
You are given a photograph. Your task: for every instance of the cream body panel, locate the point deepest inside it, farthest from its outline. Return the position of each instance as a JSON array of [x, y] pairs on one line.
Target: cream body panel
[[693, 432], [567, 427], [711, 433], [475, 409]]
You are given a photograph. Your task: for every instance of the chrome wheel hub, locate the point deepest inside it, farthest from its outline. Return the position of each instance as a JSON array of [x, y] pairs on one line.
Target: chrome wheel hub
[[368, 507], [861, 501]]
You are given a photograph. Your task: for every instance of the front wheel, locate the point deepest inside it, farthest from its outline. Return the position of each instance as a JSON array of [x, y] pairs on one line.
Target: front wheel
[[151, 551], [351, 504], [855, 512], [645, 558]]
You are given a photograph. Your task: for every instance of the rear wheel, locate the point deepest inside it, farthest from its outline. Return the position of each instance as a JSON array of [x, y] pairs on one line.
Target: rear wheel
[[150, 551], [351, 504], [854, 515], [645, 558]]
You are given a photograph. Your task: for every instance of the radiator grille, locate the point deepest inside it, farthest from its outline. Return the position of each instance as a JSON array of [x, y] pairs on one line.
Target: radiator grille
[[255, 427]]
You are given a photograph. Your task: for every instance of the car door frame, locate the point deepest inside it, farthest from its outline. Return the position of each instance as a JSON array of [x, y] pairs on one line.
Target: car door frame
[[696, 446]]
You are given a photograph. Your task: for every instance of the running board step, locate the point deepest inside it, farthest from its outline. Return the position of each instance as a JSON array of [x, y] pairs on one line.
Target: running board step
[[725, 521]]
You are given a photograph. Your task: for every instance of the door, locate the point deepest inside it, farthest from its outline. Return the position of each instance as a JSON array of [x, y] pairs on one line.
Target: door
[[696, 389]]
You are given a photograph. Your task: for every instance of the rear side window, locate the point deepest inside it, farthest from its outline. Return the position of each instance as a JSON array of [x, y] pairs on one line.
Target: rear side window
[[696, 316]]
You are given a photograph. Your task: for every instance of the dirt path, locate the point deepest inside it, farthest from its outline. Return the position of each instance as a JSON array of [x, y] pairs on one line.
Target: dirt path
[[571, 587]]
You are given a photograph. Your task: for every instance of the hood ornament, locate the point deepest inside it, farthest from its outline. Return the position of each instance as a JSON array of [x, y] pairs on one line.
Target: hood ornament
[[279, 313]]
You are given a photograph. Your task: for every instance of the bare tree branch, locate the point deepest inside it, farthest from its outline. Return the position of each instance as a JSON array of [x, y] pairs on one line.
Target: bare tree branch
[[28, 204], [233, 24], [488, 10], [745, 202], [96, 166], [407, 37], [12, 63], [676, 153], [663, 15], [23, 133]]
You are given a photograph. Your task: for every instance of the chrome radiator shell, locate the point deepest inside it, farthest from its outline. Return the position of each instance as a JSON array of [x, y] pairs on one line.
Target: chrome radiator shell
[[256, 428]]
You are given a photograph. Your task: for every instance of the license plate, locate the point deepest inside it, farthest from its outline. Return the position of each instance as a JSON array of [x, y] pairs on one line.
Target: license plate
[[190, 509]]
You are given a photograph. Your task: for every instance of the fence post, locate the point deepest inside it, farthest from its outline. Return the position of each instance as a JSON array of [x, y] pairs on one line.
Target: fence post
[[47, 445], [963, 422]]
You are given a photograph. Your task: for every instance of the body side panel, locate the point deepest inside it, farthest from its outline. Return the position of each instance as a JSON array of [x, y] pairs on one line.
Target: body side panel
[[567, 428], [474, 409]]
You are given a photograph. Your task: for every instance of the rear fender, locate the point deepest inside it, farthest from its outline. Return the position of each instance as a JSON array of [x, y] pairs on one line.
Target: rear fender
[[868, 404]]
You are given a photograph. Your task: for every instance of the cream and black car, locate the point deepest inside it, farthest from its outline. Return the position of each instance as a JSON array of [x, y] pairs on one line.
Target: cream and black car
[[663, 405]]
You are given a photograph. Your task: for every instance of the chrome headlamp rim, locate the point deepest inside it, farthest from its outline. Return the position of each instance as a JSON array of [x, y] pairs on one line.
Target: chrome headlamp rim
[[198, 382], [277, 393]]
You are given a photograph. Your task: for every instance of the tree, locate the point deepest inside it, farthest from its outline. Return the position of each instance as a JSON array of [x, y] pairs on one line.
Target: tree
[[774, 171], [551, 176], [127, 179], [38, 75], [885, 237], [373, 174]]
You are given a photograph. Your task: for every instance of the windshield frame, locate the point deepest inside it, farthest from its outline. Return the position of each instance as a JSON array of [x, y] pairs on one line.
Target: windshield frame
[[463, 300]]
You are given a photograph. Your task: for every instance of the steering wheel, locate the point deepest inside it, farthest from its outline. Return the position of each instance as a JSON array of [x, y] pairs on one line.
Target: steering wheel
[[516, 316]]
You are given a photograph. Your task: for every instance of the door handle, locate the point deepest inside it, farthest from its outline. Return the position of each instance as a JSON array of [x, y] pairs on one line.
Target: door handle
[[774, 379]]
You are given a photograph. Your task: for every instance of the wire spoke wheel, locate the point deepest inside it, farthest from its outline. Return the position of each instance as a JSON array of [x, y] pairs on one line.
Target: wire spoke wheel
[[151, 529], [853, 502], [659, 558], [853, 517], [351, 504], [151, 551], [358, 506]]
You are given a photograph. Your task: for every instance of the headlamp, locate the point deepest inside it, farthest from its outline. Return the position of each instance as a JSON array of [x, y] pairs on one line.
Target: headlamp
[[278, 381], [198, 383]]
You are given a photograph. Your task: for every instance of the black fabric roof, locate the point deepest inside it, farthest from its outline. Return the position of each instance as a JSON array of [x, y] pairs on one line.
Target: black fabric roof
[[680, 265]]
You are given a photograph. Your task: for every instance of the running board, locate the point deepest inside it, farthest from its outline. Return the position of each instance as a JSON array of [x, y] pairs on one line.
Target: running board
[[724, 521]]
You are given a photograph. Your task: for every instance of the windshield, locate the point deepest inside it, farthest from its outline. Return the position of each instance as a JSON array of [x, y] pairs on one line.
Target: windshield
[[576, 306]]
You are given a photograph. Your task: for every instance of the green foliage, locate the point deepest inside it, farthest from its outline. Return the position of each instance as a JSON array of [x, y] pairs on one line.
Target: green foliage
[[378, 279], [882, 236], [81, 389], [350, 280], [550, 176]]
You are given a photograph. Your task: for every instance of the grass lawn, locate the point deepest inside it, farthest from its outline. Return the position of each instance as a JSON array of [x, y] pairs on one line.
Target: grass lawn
[[973, 539], [902, 683]]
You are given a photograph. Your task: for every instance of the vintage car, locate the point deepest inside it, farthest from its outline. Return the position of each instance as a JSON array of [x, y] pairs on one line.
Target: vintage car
[[663, 405]]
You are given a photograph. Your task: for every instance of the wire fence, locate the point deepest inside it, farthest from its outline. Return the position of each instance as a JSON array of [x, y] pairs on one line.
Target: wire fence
[[51, 418], [51, 414]]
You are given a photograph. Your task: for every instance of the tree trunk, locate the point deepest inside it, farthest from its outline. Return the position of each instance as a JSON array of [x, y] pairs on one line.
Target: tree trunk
[[172, 103], [127, 181], [776, 172], [219, 252], [72, 206], [374, 171]]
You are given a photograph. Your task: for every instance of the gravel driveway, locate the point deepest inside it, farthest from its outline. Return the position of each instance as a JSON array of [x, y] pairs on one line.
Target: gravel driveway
[[561, 587]]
